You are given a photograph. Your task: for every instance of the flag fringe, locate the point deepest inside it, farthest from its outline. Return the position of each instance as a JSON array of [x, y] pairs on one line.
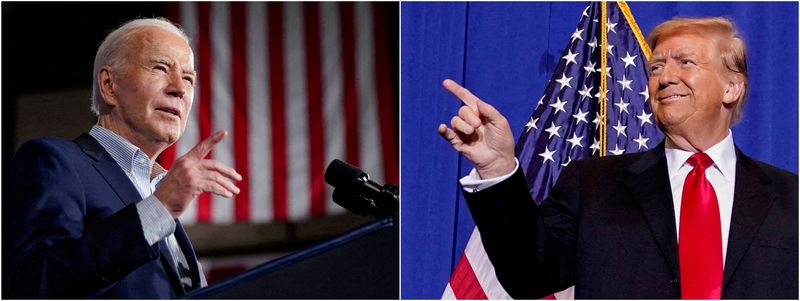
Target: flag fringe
[[603, 82], [635, 27]]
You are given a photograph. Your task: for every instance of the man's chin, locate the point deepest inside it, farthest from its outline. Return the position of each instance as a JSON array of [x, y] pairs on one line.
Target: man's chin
[[169, 137]]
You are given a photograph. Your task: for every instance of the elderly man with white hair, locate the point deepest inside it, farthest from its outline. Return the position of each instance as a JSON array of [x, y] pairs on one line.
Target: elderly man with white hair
[[97, 217]]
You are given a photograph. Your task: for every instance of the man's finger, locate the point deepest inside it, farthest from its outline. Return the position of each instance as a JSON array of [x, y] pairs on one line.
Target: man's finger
[[488, 112], [216, 188], [203, 148], [222, 169], [462, 93], [448, 134], [461, 127], [469, 116], [224, 182]]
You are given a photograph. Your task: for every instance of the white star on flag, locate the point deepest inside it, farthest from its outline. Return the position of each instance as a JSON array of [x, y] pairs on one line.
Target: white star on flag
[[577, 35], [595, 146], [646, 93], [593, 44], [564, 81], [589, 68], [616, 151], [547, 155], [598, 94], [645, 117], [586, 92], [531, 124], [553, 130], [558, 105], [581, 116], [596, 120], [642, 141], [620, 129], [610, 26], [626, 83], [628, 59], [608, 71], [622, 105], [541, 101], [575, 141], [570, 57]]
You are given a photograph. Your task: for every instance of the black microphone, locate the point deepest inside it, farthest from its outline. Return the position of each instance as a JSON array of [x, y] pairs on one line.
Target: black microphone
[[354, 190]]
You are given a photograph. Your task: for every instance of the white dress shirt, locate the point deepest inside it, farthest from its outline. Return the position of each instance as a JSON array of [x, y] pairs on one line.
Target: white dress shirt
[[722, 175], [156, 221]]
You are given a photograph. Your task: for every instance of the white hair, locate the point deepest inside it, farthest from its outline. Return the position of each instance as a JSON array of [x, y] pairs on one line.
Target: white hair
[[111, 51]]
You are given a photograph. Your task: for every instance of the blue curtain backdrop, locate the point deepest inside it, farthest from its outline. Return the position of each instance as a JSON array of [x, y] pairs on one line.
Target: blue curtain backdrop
[[505, 53]]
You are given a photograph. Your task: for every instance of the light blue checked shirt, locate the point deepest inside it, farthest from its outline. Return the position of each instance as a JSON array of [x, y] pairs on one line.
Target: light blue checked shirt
[[157, 223]]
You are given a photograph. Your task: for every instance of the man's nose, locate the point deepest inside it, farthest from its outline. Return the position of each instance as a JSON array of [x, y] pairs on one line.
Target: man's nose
[[668, 75], [176, 88]]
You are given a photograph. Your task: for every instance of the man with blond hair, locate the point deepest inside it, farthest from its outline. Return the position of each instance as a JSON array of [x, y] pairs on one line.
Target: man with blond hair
[[97, 217], [694, 218]]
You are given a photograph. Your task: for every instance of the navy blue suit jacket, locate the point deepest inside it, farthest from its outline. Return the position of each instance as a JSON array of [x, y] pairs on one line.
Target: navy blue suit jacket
[[608, 227], [71, 229]]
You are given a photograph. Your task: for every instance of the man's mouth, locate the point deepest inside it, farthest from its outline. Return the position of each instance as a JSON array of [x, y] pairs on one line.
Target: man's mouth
[[671, 96], [170, 110]]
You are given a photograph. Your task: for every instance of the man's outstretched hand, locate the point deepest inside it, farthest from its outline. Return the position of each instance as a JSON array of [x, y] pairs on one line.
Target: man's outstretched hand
[[191, 175], [480, 133]]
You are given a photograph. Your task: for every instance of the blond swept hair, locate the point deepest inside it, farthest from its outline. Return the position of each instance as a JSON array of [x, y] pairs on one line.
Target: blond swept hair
[[729, 43]]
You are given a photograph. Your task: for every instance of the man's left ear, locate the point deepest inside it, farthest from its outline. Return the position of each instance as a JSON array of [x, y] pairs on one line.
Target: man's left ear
[[733, 89]]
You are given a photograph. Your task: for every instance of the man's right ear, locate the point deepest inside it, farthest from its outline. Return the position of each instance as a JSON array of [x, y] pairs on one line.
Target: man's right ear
[[105, 80]]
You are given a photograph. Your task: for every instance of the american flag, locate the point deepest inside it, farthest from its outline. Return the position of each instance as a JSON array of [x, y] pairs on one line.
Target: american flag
[[596, 104], [296, 85]]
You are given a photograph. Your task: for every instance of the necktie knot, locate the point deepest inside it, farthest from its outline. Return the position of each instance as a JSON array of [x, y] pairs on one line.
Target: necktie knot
[[701, 160]]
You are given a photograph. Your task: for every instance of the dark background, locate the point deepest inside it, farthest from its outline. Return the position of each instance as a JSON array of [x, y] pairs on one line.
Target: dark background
[[50, 47]]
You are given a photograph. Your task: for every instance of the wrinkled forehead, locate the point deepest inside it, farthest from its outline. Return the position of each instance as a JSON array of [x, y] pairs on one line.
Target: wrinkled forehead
[[685, 44], [158, 42]]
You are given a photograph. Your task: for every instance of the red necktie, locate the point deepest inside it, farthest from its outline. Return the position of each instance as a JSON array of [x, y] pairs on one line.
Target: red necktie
[[700, 245]]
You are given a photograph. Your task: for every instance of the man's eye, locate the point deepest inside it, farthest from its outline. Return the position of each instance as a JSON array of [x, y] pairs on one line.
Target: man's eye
[[160, 68], [686, 62], [189, 80]]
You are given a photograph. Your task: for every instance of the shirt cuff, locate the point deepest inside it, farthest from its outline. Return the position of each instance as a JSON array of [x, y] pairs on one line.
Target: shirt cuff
[[473, 183], [157, 223]]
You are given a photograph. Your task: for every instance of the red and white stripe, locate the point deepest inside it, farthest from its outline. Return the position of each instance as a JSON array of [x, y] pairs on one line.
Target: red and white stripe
[[474, 276], [296, 85]]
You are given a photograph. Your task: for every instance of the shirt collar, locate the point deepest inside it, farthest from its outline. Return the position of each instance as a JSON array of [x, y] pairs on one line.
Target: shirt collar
[[123, 152], [723, 154]]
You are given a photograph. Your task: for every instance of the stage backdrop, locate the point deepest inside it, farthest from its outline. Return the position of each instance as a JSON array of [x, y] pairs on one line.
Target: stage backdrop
[[296, 85], [505, 53]]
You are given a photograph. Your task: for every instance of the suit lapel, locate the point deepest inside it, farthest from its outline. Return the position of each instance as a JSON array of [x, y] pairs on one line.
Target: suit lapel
[[169, 266], [127, 193], [188, 251], [648, 183], [752, 199], [110, 170]]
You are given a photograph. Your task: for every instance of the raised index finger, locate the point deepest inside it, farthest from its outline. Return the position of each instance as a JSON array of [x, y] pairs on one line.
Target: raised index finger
[[201, 149], [462, 93]]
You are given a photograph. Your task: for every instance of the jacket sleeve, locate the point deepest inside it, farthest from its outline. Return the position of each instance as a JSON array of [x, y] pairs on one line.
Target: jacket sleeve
[[530, 247], [55, 252]]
